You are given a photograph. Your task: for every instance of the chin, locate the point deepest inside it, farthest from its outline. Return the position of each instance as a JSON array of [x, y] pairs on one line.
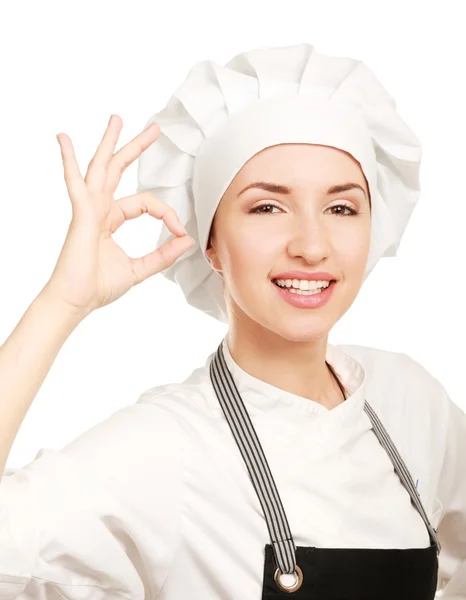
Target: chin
[[299, 330], [311, 334]]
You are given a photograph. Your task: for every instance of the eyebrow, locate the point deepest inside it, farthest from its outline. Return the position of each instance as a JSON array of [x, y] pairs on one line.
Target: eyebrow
[[283, 189]]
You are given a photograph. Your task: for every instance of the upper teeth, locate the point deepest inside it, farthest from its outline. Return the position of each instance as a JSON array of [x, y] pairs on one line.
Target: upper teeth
[[303, 284]]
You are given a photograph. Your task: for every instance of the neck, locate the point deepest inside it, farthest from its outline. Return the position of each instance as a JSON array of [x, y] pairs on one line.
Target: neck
[[293, 366]]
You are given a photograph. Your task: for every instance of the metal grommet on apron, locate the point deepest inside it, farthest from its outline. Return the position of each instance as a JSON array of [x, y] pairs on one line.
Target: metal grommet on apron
[[290, 588], [326, 573]]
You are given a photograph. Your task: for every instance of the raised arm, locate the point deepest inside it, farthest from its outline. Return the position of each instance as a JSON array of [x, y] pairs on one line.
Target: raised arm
[[91, 271]]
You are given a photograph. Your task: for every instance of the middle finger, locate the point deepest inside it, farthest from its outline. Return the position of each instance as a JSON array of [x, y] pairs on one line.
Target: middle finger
[[128, 153], [96, 175]]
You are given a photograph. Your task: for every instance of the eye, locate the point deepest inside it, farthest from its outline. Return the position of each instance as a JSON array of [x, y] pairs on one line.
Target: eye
[[256, 209], [351, 213]]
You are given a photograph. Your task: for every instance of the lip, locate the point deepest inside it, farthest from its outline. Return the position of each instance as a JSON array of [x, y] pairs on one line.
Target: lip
[[307, 301], [322, 275]]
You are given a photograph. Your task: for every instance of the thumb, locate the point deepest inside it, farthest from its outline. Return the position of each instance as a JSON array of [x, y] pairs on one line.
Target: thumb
[[160, 259]]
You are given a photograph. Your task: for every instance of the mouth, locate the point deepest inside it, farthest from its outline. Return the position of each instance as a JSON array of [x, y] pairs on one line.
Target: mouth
[[306, 299], [297, 291]]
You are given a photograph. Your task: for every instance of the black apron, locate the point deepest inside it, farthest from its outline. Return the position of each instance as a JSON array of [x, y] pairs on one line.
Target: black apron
[[326, 573]]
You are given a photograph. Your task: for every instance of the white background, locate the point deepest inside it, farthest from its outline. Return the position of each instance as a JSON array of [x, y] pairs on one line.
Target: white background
[[67, 66]]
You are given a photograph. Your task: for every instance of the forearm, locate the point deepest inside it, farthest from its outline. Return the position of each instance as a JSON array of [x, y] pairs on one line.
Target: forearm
[[25, 359]]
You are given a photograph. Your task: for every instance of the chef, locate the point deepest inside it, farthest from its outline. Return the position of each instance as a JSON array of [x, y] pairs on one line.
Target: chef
[[284, 466]]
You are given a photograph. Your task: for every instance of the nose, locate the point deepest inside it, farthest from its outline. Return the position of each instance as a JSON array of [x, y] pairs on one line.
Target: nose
[[310, 239]]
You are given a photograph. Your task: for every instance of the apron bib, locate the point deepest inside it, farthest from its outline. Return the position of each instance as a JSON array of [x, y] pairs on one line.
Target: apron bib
[[326, 573]]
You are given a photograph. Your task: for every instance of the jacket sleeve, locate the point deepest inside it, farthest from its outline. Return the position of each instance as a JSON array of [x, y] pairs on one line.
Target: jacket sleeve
[[98, 519], [451, 529]]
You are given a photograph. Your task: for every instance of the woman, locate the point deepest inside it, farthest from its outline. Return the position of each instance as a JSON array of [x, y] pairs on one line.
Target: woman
[[283, 465]]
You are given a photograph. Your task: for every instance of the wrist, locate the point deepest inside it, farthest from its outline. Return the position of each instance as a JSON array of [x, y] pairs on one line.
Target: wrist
[[70, 314]]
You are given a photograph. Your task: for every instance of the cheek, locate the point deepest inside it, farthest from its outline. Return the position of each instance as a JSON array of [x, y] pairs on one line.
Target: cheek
[[250, 253], [255, 240], [352, 246]]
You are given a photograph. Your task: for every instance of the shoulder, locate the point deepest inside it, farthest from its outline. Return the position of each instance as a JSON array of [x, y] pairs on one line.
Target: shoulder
[[411, 402], [379, 358], [406, 396], [187, 404], [398, 371]]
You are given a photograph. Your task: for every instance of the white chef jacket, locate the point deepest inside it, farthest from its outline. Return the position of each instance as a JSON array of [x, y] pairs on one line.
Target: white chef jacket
[[156, 501]]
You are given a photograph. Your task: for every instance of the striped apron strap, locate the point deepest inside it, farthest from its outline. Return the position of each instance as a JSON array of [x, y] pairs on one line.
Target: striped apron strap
[[400, 469], [246, 438]]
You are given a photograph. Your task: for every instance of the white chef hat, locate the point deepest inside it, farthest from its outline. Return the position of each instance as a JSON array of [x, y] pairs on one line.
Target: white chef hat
[[222, 116]]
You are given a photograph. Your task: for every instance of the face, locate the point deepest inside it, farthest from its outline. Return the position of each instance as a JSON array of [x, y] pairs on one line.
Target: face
[[258, 234]]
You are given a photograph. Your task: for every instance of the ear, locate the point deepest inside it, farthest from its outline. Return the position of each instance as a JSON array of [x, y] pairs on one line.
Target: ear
[[213, 258]]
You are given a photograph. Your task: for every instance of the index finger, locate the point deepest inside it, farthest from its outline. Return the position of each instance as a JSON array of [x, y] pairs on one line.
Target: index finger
[[73, 178]]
